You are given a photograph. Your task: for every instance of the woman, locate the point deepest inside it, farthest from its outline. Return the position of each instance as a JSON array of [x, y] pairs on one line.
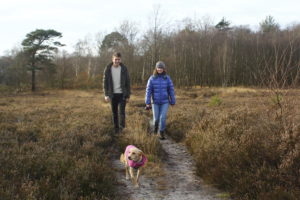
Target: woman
[[160, 87]]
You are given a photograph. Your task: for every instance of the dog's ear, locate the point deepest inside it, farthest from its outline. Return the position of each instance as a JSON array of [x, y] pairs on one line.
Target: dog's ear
[[141, 153]]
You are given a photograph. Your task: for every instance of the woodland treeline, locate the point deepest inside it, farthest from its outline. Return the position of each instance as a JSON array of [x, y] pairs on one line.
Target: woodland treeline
[[196, 52]]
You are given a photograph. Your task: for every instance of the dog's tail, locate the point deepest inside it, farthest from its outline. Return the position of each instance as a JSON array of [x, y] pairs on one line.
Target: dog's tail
[[122, 158]]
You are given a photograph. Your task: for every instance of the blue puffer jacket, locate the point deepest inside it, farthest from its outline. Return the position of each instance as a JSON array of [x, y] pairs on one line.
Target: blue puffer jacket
[[161, 89]]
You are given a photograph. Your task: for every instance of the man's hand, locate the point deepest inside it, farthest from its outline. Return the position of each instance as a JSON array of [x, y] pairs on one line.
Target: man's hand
[[107, 99]]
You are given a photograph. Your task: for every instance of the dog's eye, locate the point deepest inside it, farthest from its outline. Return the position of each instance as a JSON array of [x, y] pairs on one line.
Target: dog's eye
[[133, 152]]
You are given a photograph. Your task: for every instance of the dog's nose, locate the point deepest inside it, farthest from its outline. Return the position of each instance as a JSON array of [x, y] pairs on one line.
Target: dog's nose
[[129, 158]]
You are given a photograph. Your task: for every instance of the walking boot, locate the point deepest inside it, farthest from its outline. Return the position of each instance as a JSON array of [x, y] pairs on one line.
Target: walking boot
[[162, 135], [155, 130]]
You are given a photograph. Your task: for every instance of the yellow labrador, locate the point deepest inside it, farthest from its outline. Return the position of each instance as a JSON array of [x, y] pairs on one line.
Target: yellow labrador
[[133, 159]]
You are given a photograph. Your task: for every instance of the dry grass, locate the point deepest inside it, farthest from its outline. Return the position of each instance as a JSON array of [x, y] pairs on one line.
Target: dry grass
[[57, 144], [248, 144], [54, 145]]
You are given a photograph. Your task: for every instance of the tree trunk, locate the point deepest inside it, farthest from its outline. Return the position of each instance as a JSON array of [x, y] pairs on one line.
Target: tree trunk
[[33, 81]]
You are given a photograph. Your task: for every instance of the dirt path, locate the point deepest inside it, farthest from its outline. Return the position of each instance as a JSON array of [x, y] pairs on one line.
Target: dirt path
[[179, 182]]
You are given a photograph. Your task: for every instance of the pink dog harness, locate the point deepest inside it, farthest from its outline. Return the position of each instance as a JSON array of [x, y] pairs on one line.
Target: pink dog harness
[[132, 163]]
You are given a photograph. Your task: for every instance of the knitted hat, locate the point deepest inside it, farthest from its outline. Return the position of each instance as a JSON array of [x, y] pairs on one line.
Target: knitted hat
[[160, 64]]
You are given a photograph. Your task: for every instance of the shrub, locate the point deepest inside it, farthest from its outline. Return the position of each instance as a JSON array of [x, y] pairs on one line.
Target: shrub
[[242, 152], [55, 146], [215, 101]]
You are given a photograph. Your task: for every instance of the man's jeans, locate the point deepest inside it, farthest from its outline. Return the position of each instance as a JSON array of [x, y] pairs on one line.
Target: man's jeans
[[160, 115], [118, 104]]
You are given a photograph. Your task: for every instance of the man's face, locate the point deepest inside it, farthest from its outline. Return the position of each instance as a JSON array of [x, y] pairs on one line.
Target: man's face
[[116, 61]]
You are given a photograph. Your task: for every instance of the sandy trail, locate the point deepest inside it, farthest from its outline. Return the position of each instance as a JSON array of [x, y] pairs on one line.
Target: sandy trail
[[179, 182]]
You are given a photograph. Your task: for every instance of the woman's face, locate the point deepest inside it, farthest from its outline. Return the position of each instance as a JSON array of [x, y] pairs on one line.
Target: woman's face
[[159, 70]]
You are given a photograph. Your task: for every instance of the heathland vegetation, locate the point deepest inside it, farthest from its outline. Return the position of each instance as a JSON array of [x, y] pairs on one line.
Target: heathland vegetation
[[59, 144], [246, 142]]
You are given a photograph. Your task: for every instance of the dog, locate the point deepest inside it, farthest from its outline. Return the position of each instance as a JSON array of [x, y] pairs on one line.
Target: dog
[[133, 160]]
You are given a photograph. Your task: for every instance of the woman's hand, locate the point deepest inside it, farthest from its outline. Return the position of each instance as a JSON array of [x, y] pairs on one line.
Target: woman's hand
[[148, 107]]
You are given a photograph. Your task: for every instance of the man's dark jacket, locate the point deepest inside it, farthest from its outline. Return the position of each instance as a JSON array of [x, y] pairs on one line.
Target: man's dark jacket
[[108, 82]]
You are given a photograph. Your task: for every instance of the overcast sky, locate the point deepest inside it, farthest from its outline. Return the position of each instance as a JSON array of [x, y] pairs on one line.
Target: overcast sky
[[77, 19]]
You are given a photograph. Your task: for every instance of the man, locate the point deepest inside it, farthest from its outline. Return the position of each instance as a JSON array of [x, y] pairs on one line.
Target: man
[[116, 86]]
